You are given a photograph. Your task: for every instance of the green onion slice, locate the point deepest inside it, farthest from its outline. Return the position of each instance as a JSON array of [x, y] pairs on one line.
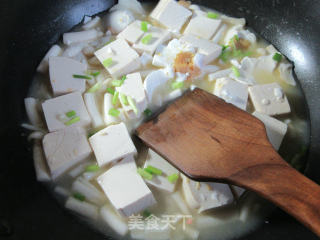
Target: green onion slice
[[173, 177], [95, 74], [146, 39], [71, 114], [79, 196], [81, 76], [146, 213], [277, 57], [144, 26], [115, 98], [92, 168], [212, 15], [114, 112], [132, 105], [116, 83], [236, 71], [110, 90], [144, 174], [153, 170], [176, 85], [107, 62], [72, 121], [123, 99], [147, 112]]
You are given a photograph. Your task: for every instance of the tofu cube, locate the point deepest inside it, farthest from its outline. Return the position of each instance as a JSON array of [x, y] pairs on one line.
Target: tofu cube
[[159, 36], [64, 149], [55, 110], [171, 14], [111, 144], [211, 50], [132, 33], [202, 26], [118, 58], [133, 87], [232, 92], [269, 99], [160, 181], [61, 71], [205, 196], [125, 189], [276, 130]]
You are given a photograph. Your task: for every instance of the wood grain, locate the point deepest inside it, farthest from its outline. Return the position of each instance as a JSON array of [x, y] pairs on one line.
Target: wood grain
[[211, 140]]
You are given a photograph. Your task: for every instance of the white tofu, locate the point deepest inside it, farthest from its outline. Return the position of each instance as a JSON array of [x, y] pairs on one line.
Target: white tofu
[[116, 222], [161, 182], [111, 144], [124, 59], [93, 109], [159, 36], [55, 109], [266, 63], [154, 81], [132, 33], [219, 74], [133, 87], [83, 208], [286, 74], [269, 99], [203, 27], [125, 189], [205, 196], [211, 50], [54, 51], [171, 14], [83, 36], [220, 33], [61, 71], [64, 149], [276, 130], [107, 105], [232, 92]]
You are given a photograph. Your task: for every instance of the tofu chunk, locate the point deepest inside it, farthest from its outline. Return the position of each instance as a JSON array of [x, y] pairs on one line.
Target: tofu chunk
[[64, 149], [132, 33], [202, 26], [118, 58], [205, 196], [111, 144], [61, 71], [211, 50], [55, 110], [161, 182], [269, 99], [133, 87], [159, 36], [125, 189], [232, 92], [171, 14], [276, 130]]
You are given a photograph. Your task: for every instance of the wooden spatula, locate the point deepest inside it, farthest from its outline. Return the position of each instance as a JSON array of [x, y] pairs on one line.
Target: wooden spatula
[[210, 140]]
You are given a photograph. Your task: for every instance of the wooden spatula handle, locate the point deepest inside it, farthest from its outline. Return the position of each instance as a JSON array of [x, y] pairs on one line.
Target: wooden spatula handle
[[287, 188]]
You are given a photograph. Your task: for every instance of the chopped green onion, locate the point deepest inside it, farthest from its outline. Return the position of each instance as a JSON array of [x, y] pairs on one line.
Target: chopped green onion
[[107, 62], [71, 114], [92, 168], [173, 178], [72, 121], [115, 98], [153, 170], [95, 74], [123, 99], [144, 174], [212, 15], [236, 37], [110, 90], [95, 87], [81, 76], [277, 57], [132, 105], [146, 213], [146, 39], [114, 112], [236, 71], [79, 196], [224, 47], [123, 78], [116, 83], [148, 112], [176, 85], [144, 26]]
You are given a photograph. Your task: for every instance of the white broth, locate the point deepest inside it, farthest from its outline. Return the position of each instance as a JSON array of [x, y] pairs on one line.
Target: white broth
[[110, 73]]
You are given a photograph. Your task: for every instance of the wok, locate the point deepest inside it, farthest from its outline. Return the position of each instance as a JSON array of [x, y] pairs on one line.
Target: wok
[[29, 28]]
